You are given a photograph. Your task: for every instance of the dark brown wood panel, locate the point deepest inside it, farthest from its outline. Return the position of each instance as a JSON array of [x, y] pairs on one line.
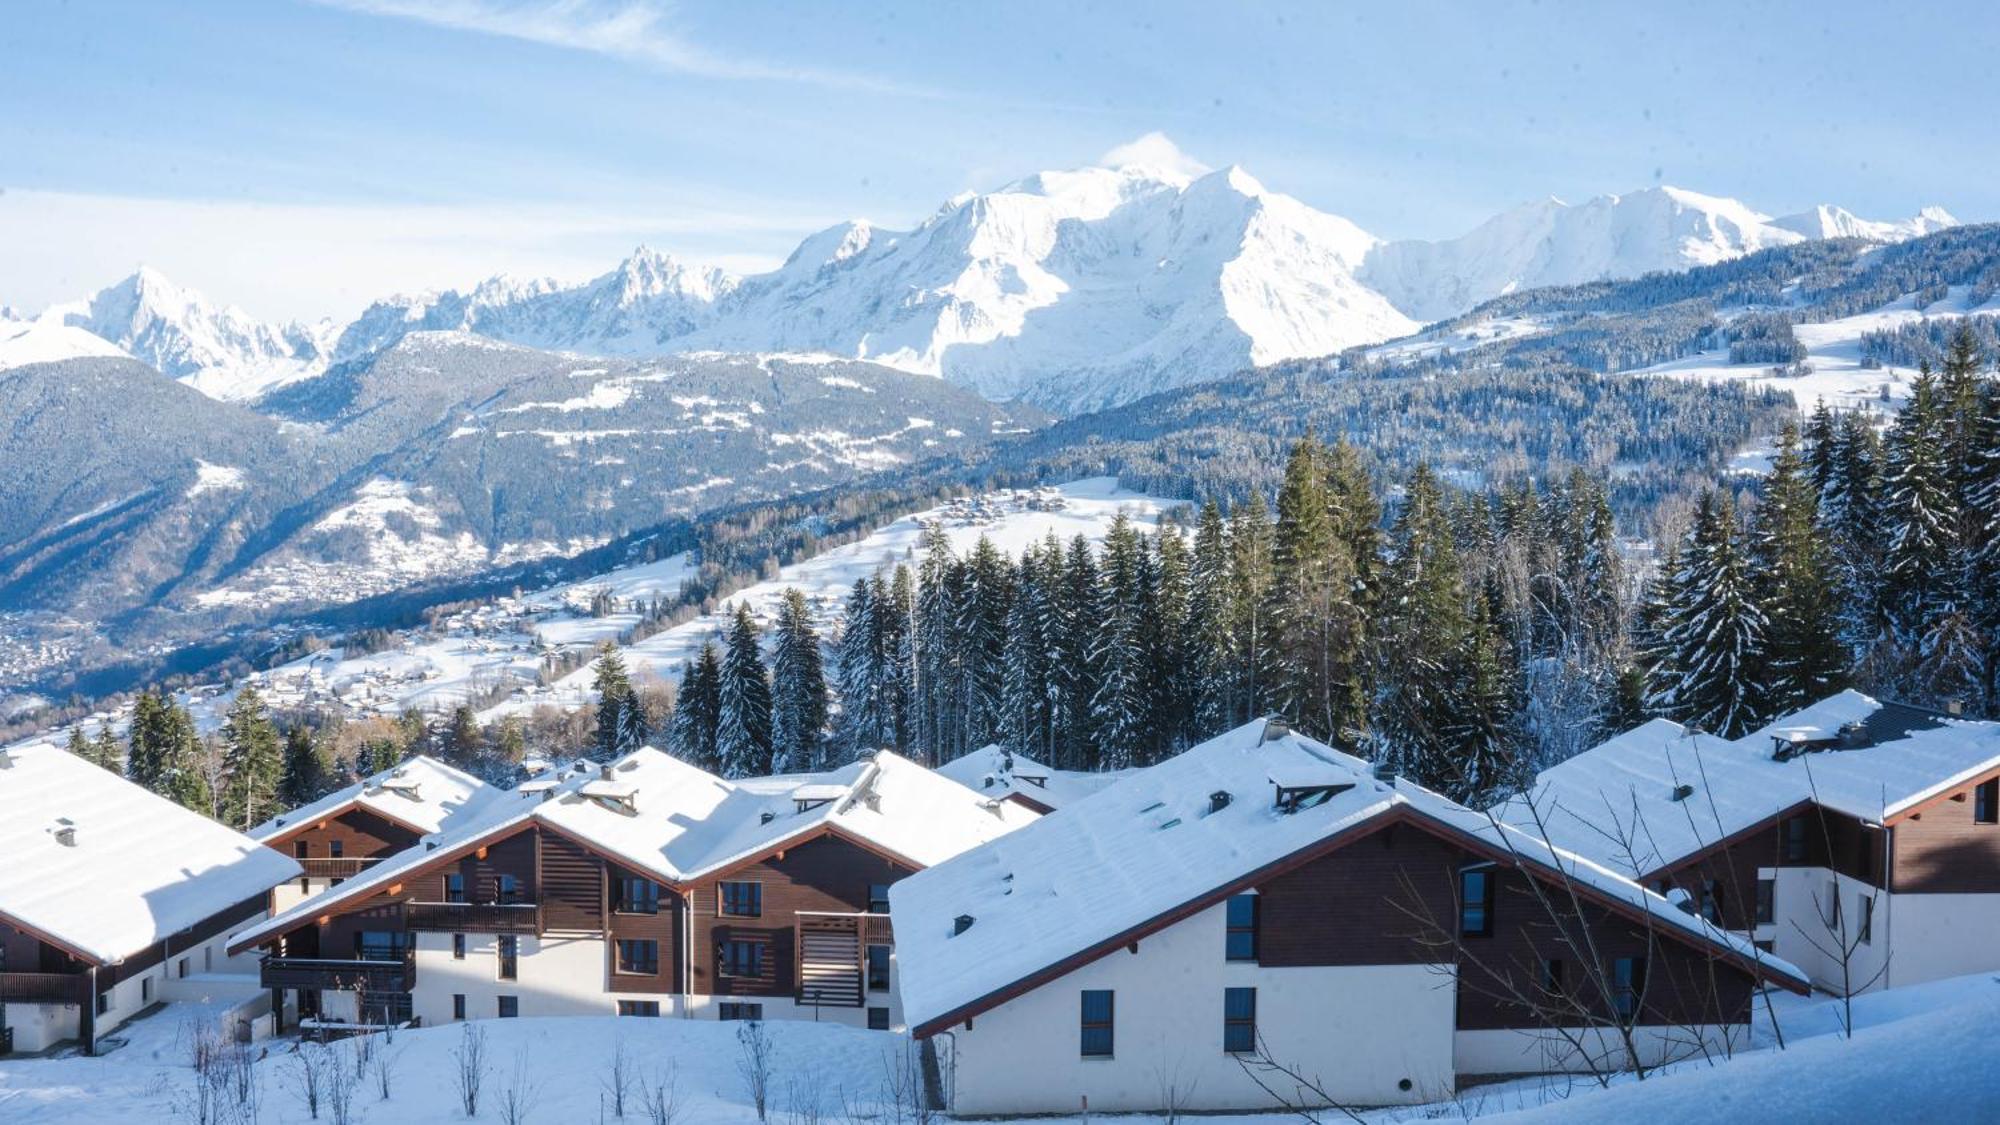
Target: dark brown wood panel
[[1941, 850], [663, 927], [572, 885], [827, 874], [362, 835]]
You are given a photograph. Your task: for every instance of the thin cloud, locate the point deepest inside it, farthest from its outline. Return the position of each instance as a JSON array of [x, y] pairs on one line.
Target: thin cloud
[[630, 30]]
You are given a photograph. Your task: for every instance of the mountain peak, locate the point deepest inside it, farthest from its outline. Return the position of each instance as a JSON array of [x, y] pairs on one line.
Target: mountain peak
[[1154, 151]]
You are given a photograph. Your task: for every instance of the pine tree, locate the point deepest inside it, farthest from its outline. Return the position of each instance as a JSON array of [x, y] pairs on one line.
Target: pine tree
[[145, 759], [1208, 624], [798, 687], [464, 742], [105, 750], [613, 685], [1312, 616], [383, 755], [1795, 585], [183, 776], [743, 726], [512, 745], [691, 733], [981, 629], [1176, 682], [252, 762], [895, 602], [78, 744], [1119, 711], [1712, 668], [1931, 653], [303, 777], [1078, 673], [1029, 692], [860, 669], [935, 644], [1249, 588]]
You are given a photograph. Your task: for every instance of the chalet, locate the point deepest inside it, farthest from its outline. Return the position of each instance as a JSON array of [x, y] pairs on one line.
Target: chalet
[[113, 899], [1265, 899], [1856, 839], [345, 832], [645, 886], [995, 771]]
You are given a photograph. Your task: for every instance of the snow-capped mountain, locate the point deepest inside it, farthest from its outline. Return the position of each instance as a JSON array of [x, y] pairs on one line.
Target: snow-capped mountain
[[1074, 290], [219, 350], [1550, 242]]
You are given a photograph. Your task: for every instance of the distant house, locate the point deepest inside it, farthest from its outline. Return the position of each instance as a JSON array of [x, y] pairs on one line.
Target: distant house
[[995, 771], [1264, 899], [642, 887], [1856, 839], [345, 832], [112, 899]]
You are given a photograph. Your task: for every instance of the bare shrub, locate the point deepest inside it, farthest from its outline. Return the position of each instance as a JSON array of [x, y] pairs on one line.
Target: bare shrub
[[618, 1076], [755, 1064], [339, 1091], [308, 1068], [516, 1098], [385, 1071], [661, 1097], [469, 1072]]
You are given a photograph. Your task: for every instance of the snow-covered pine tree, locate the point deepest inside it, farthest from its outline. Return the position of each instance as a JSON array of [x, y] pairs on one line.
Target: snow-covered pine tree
[[1931, 655], [981, 629], [691, 732], [105, 750], [743, 728], [1119, 710], [1078, 673], [1850, 514], [1249, 589], [146, 755], [860, 668], [252, 761], [935, 646], [1177, 685], [613, 685], [1027, 689], [1712, 668], [896, 603], [183, 776], [798, 687], [1795, 585], [78, 744], [1208, 624], [1983, 554]]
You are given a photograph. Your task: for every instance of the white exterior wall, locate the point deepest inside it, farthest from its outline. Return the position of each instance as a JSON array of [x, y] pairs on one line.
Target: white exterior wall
[[1800, 933], [37, 1027], [211, 975], [1360, 1030], [1935, 936], [1578, 1050], [555, 976], [288, 894]]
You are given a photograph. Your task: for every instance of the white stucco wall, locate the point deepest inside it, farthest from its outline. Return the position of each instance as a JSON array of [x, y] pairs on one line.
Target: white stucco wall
[[1935, 936], [37, 1027], [1359, 1030], [556, 976], [1801, 935], [1581, 1050]]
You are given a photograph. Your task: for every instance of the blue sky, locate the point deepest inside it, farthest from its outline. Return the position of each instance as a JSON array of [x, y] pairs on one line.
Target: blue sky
[[296, 157]]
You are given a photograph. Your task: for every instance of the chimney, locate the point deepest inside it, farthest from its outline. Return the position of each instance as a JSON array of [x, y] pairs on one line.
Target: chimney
[[1385, 773], [961, 924], [1218, 800], [1854, 736], [1275, 729], [1954, 707], [604, 772], [66, 835]]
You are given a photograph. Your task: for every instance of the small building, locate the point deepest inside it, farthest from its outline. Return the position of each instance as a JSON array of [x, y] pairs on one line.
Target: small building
[[1263, 901], [642, 887], [113, 899], [1856, 839], [349, 830]]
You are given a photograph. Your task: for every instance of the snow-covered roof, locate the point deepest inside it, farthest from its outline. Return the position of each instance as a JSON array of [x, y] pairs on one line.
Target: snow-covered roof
[[995, 772], [422, 792], [681, 824], [1155, 842], [138, 868], [1660, 793]]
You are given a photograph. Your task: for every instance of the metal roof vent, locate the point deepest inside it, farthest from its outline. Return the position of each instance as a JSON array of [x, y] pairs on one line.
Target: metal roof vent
[[1219, 800], [961, 924], [1385, 773], [1854, 736], [1683, 792], [1275, 729], [767, 817], [65, 833]]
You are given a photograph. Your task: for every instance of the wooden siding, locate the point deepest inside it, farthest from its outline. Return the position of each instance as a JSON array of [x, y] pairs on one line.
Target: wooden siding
[[663, 928], [362, 835], [826, 873], [572, 886], [1940, 850], [1391, 897]]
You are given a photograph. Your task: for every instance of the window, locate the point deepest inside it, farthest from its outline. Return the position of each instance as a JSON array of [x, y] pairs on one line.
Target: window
[[639, 1008], [181, 969], [878, 1019], [638, 896], [458, 1005], [1795, 840], [1767, 892], [300, 849], [1833, 904], [878, 898], [509, 888], [1552, 976], [454, 888], [742, 958], [1867, 903], [381, 945], [1986, 802], [510, 952], [336, 848], [1711, 900], [878, 968], [1475, 896], [1239, 1020], [458, 947], [742, 900], [208, 959], [642, 957], [1096, 1023], [1241, 943], [1628, 985], [103, 1002], [510, 1006], [145, 990], [737, 1011]]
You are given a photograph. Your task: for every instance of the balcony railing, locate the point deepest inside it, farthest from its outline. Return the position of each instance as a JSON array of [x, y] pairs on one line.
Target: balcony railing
[[472, 917], [321, 973], [44, 988], [327, 868], [830, 956]]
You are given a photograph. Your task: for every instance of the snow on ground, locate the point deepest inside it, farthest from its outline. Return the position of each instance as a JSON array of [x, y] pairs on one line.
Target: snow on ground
[[214, 478], [1011, 520], [1834, 352]]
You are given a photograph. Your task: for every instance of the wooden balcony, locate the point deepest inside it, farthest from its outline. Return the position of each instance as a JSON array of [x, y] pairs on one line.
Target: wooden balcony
[[831, 956], [326, 868], [472, 918], [44, 988], [319, 973]]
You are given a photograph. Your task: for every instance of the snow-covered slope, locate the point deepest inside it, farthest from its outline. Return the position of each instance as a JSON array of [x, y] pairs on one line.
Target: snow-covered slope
[[221, 351], [1550, 242], [23, 342]]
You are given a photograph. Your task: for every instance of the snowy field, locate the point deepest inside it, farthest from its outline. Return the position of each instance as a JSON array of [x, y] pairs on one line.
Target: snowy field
[[1925, 1053], [499, 647], [1834, 353]]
